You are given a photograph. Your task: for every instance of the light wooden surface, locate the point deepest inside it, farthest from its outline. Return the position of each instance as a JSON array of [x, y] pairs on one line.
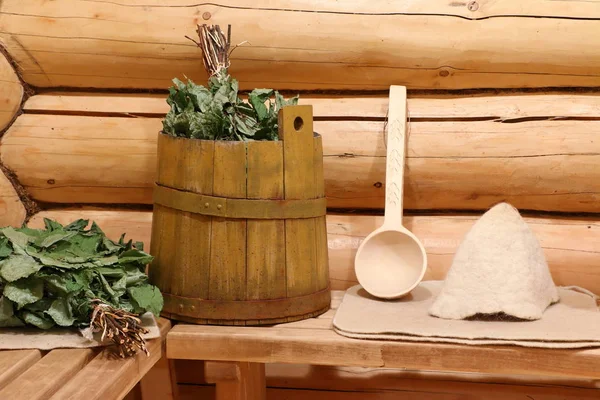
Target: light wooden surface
[[12, 210], [441, 45], [76, 373], [570, 244], [537, 165], [432, 391], [480, 106], [236, 380], [11, 93], [314, 342], [374, 382]]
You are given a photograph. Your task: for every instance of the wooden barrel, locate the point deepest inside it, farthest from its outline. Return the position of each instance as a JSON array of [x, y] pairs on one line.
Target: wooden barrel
[[238, 232]]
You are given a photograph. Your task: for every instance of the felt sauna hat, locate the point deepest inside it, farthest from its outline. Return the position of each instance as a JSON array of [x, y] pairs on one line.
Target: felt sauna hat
[[498, 268]]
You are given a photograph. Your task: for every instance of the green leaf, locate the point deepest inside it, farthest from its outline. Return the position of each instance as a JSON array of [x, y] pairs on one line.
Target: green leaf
[[41, 305], [109, 245], [52, 225], [24, 291], [12, 322], [5, 249], [135, 255], [17, 238], [6, 308], [61, 312], [49, 259], [37, 320], [147, 298], [257, 98], [120, 286], [17, 267], [77, 225], [54, 237], [59, 284], [104, 261], [134, 275], [111, 272]]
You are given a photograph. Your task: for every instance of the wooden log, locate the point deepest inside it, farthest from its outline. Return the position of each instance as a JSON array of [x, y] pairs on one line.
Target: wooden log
[[481, 106], [11, 93], [440, 45], [570, 244], [12, 210], [535, 165]]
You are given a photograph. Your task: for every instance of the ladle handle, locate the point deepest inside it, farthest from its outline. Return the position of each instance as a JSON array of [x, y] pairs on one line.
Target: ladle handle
[[394, 175]]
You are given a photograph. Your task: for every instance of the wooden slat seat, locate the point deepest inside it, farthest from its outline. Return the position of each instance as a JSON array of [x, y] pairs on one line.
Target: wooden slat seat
[[94, 373], [314, 342]]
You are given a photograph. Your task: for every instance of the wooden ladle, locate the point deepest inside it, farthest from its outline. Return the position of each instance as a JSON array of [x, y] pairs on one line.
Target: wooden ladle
[[391, 261]]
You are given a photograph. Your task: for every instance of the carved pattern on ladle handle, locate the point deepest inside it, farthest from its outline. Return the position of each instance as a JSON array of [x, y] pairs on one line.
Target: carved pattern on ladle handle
[[395, 163]]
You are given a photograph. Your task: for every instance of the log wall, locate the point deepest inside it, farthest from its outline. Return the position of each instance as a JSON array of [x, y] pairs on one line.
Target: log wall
[[326, 45], [538, 152], [12, 210], [84, 145]]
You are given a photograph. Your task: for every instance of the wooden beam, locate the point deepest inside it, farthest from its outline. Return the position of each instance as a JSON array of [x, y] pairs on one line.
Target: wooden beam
[[12, 210], [462, 165], [570, 244], [11, 93], [482, 106], [325, 46]]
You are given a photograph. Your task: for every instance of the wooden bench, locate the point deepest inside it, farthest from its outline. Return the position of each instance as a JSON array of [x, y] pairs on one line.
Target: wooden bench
[[85, 373], [494, 116], [239, 356]]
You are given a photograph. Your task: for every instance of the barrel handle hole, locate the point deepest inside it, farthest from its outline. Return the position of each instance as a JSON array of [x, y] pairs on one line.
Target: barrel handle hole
[[298, 123]]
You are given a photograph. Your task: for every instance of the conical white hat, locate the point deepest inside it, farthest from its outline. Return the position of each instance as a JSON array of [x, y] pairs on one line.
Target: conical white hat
[[498, 268]]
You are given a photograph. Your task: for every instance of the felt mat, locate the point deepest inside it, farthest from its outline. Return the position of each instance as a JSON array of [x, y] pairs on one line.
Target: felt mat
[[54, 338], [573, 322]]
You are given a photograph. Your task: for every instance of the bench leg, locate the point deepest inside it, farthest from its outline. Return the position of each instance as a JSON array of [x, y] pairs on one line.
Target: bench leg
[[160, 383], [236, 380]]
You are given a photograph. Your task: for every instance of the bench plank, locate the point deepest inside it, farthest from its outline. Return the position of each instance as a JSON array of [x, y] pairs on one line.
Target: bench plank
[[46, 376], [14, 362], [325, 347], [110, 377]]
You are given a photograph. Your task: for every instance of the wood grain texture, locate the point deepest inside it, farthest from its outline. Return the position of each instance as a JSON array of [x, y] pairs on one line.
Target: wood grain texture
[[426, 391], [12, 210], [265, 249], [434, 106], [11, 93], [296, 132], [536, 165], [14, 362], [569, 244], [302, 342], [443, 45], [228, 236], [185, 165], [124, 373], [44, 378]]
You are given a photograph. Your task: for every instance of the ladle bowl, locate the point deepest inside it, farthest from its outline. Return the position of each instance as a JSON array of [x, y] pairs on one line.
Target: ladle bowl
[[390, 263]]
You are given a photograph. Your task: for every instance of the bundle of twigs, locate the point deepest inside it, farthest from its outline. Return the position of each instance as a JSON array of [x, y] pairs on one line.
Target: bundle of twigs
[[215, 48], [123, 328]]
